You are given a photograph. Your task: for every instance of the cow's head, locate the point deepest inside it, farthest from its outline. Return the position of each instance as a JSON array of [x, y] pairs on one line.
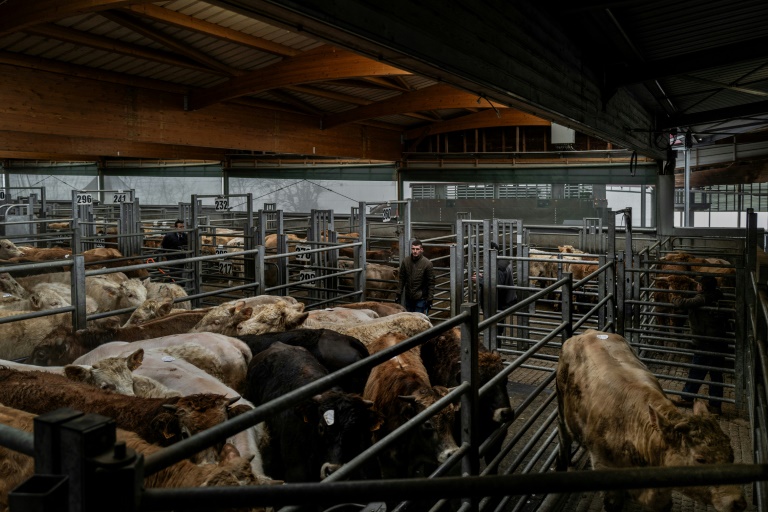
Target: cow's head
[[435, 434], [186, 416], [110, 374], [9, 250], [150, 309], [695, 439], [343, 423], [278, 317]]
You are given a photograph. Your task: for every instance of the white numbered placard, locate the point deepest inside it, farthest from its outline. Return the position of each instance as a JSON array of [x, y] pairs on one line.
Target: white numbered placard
[[99, 242], [120, 197], [301, 255], [2, 195], [386, 213], [221, 204], [83, 199], [306, 275], [225, 267], [221, 250]]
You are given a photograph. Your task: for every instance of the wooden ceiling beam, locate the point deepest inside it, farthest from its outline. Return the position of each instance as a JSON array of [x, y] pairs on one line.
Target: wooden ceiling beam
[[180, 47], [319, 65], [107, 44], [16, 16], [180, 20], [436, 97], [485, 119], [38, 102], [296, 102], [43, 146], [387, 84]]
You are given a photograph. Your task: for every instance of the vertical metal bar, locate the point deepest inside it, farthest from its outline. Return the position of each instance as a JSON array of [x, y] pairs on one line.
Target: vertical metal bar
[[259, 270], [469, 400], [78, 292], [566, 309], [456, 277], [687, 189], [621, 285]]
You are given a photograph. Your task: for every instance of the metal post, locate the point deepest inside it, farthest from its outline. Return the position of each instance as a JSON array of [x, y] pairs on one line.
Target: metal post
[[469, 374], [78, 292], [687, 189]]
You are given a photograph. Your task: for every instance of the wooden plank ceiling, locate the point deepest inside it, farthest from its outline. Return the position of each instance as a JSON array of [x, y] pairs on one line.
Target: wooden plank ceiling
[[94, 79]]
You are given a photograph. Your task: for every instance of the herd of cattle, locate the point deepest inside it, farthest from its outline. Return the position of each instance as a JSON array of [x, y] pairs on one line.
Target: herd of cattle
[[166, 372]]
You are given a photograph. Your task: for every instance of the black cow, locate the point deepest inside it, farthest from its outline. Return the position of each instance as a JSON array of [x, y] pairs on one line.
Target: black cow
[[332, 349], [442, 358], [311, 440]]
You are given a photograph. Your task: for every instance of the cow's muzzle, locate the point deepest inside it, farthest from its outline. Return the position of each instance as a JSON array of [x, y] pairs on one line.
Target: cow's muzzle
[[328, 469], [503, 414]]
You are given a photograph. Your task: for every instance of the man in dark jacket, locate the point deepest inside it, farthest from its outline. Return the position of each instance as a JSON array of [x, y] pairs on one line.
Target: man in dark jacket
[[505, 297], [417, 280], [712, 327], [175, 242]]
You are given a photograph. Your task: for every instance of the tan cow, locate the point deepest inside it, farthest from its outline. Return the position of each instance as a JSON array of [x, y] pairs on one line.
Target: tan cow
[[338, 315], [381, 308], [9, 285], [610, 403], [277, 317], [163, 291], [408, 324]]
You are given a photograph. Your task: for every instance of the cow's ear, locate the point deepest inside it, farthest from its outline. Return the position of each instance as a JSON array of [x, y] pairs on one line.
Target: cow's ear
[[146, 282], [658, 421], [165, 308], [700, 408], [134, 360], [76, 373]]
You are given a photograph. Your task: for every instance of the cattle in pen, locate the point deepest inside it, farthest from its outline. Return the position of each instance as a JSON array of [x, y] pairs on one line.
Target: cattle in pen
[[231, 471], [157, 420], [400, 389], [333, 350], [441, 356], [407, 324], [311, 440], [610, 402]]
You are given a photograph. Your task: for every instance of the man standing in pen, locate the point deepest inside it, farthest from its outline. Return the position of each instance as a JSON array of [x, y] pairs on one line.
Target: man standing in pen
[[417, 280]]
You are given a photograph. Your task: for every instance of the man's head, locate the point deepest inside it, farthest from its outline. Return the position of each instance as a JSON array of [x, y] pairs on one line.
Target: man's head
[[708, 283], [179, 224], [416, 248]]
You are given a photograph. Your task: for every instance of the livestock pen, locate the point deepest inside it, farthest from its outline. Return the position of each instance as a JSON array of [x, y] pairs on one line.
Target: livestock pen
[[521, 476]]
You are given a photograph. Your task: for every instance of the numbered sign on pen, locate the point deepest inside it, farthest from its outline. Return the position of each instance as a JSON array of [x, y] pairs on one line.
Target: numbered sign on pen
[[306, 275], [301, 255], [386, 214], [221, 250], [121, 197], [225, 267], [2, 195], [81, 199], [99, 242], [221, 204]]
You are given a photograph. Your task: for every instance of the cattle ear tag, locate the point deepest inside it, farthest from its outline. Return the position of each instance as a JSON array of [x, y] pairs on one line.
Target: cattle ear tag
[[328, 416], [602, 336], [168, 359]]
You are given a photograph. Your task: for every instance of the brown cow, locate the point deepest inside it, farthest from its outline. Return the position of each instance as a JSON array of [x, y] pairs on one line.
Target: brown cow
[[676, 284], [156, 420], [400, 389], [442, 358], [232, 470], [610, 403], [684, 261]]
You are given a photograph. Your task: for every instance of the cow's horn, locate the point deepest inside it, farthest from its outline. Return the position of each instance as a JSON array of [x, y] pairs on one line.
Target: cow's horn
[[232, 400], [170, 407]]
